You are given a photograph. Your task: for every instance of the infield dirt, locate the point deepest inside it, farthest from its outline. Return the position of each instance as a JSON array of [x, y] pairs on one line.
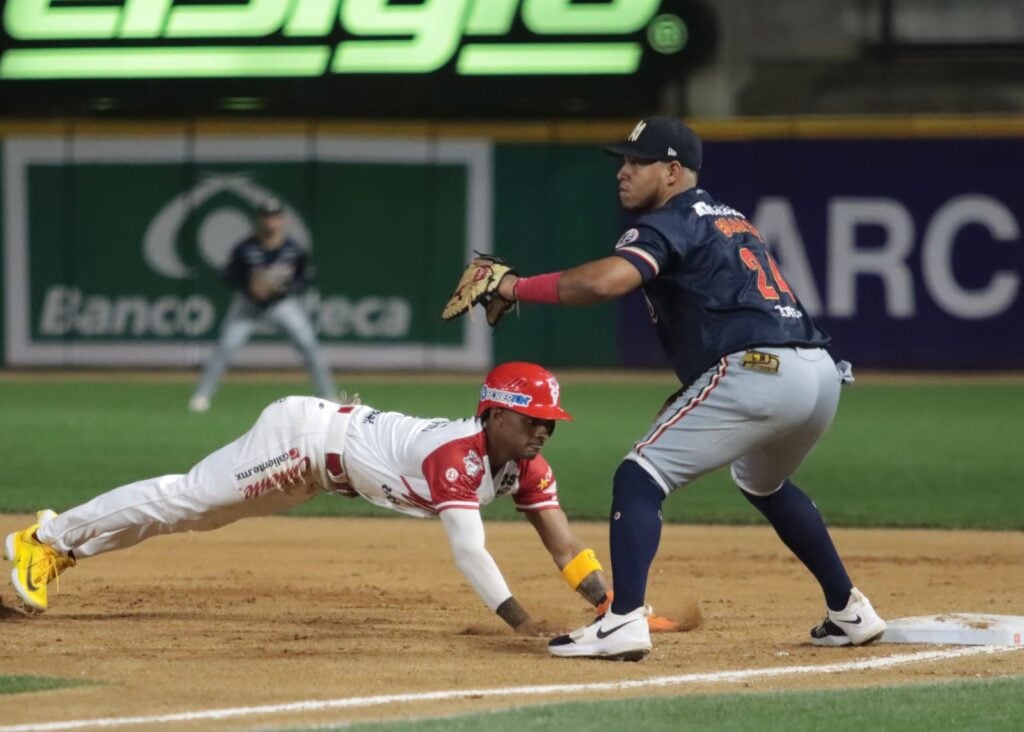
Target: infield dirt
[[280, 610]]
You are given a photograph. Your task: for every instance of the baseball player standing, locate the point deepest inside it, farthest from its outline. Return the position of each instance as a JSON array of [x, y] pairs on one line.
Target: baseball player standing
[[759, 388], [268, 270], [301, 446]]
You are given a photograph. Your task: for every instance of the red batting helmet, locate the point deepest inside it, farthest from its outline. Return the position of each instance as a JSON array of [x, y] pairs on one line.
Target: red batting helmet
[[522, 387]]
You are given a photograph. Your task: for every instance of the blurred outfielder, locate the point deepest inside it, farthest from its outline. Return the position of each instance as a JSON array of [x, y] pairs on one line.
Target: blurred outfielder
[[759, 388], [268, 270]]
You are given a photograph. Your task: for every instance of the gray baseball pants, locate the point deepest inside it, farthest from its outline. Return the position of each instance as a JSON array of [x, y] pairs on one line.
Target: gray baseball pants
[[241, 320], [763, 425]]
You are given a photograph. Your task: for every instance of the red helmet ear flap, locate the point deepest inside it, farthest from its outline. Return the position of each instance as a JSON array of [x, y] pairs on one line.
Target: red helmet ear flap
[[522, 387]]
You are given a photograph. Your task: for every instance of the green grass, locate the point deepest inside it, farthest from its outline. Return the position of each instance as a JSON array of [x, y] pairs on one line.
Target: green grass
[[22, 684], [899, 455], [976, 705]]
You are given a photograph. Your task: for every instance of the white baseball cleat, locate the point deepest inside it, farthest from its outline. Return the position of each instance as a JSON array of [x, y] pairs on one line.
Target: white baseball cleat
[[855, 624], [611, 637], [199, 404]]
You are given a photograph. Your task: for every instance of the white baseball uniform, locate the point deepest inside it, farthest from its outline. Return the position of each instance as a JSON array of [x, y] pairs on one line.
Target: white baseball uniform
[[300, 446]]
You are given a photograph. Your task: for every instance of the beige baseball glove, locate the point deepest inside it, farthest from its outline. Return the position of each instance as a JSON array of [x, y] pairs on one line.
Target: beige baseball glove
[[268, 282], [479, 286]]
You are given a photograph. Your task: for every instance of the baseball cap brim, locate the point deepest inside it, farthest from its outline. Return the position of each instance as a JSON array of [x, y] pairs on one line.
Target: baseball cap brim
[[550, 411], [270, 207], [630, 150]]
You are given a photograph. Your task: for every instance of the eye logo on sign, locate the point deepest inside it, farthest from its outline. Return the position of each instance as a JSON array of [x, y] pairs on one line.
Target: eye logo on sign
[[219, 230], [144, 39]]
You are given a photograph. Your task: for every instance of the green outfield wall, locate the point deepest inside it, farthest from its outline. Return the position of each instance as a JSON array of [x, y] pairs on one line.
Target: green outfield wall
[[113, 235]]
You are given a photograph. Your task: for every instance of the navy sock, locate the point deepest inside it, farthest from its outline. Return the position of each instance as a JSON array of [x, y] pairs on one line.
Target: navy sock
[[799, 524], [635, 531]]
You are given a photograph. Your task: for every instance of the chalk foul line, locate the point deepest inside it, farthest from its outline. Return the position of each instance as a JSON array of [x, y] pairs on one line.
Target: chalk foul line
[[652, 682]]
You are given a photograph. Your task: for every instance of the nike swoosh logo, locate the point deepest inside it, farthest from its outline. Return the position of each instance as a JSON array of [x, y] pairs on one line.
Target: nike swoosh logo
[[28, 579], [855, 621], [601, 634]]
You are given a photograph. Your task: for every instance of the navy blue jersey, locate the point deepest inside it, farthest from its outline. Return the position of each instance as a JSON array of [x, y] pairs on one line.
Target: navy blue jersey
[[711, 286], [287, 265]]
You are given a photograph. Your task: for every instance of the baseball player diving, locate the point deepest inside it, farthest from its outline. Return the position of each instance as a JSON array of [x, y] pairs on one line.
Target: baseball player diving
[[301, 446], [268, 271], [758, 387]]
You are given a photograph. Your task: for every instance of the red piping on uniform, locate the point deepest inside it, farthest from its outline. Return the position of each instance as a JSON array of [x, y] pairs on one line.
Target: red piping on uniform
[[722, 367], [415, 499], [335, 468]]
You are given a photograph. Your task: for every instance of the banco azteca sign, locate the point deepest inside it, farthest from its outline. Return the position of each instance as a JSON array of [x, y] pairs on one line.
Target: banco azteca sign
[[114, 246]]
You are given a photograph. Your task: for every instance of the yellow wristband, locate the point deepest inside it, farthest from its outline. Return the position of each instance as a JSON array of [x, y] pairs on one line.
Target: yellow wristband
[[581, 565]]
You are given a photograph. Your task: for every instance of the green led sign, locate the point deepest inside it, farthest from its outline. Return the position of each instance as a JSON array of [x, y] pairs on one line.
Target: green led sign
[[158, 39]]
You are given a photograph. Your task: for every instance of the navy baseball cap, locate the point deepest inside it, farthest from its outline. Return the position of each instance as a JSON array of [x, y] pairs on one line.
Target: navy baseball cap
[[270, 207], [661, 138]]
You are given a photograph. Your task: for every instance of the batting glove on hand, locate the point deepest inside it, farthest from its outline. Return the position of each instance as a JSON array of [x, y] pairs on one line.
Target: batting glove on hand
[[479, 286]]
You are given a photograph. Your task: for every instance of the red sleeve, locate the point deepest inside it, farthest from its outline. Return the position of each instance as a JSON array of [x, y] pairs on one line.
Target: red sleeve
[[453, 473], [537, 488]]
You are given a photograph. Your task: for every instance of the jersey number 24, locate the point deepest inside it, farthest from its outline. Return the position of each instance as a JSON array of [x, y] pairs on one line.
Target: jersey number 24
[[768, 290]]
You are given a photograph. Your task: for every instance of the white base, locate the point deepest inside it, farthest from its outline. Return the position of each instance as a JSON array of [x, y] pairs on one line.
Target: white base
[[967, 629]]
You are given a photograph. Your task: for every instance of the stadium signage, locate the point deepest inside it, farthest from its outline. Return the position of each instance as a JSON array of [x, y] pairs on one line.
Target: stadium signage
[[904, 258], [91, 279], [68, 311], [150, 39]]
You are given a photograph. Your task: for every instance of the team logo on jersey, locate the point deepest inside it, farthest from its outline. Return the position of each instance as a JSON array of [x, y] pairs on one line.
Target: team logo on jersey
[[650, 307], [473, 464], [546, 481], [703, 209], [554, 388], [451, 475], [628, 238]]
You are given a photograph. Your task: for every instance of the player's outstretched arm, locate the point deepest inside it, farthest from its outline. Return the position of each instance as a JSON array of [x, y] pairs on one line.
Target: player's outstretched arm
[[465, 530], [578, 564], [580, 567], [592, 282]]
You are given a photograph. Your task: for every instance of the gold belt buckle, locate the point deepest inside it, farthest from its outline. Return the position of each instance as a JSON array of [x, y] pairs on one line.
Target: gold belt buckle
[[761, 361]]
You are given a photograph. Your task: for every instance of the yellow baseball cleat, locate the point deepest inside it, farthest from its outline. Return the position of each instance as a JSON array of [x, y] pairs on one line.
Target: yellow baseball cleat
[[35, 564]]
